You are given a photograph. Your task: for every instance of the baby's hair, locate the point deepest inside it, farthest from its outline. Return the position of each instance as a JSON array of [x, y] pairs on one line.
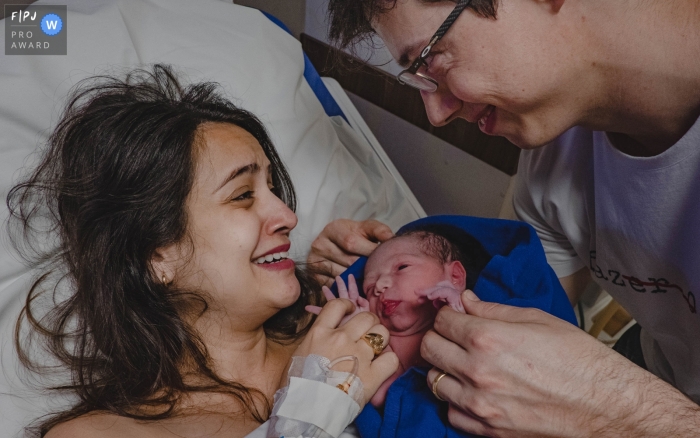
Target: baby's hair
[[448, 243]]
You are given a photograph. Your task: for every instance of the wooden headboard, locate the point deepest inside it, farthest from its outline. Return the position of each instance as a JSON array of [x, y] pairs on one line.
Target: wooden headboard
[[382, 89]]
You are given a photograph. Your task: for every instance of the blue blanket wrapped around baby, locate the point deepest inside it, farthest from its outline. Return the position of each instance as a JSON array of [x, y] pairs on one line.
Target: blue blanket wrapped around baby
[[517, 275]]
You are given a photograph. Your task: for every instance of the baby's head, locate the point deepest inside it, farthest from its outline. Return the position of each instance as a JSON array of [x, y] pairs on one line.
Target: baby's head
[[416, 260]]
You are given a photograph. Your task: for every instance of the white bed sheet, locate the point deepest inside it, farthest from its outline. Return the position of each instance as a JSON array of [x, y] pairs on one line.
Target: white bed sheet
[[339, 169]]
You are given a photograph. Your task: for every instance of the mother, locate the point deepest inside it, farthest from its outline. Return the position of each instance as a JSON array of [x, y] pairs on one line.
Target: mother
[[172, 297]]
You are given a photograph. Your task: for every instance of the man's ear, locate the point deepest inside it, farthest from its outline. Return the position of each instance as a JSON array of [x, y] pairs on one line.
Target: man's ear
[[164, 261], [456, 274]]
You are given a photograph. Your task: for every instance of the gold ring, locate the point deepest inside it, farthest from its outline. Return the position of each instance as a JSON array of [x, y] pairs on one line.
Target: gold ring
[[376, 341], [435, 384]]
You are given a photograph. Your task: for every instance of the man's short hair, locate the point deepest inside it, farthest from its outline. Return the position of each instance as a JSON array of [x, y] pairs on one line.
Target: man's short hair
[[350, 20]]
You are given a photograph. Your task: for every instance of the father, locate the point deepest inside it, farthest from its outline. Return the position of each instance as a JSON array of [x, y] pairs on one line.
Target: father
[[612, 88]]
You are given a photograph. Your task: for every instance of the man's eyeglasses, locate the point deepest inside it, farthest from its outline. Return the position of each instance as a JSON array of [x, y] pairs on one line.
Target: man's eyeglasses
[[411, 76]]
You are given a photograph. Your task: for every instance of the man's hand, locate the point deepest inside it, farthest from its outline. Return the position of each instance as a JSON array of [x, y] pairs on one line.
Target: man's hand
[[522, 372], [341, 242]]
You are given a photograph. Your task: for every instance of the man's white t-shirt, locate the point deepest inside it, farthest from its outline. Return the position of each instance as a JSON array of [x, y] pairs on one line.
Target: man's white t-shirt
[[635, 224]]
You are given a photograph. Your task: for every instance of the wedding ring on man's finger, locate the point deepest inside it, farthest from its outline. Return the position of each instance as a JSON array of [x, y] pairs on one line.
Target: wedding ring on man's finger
[[436, 380], [376, 341]]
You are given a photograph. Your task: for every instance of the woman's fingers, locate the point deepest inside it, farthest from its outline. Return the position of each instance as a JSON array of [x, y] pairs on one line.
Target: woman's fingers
[[329, 340], [379, 329], [360, 324], [375, 371], [381, 368], [333, 312], [364, 344]]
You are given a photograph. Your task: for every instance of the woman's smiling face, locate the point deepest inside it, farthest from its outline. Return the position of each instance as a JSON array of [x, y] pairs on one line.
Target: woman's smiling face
[[236, 222], [395, 272]]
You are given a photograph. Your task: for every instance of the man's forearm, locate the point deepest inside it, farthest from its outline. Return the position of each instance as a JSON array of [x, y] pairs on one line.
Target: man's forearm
[[655, 409]]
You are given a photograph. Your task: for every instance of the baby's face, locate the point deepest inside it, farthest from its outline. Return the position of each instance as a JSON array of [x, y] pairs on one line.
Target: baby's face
[[394, 273]]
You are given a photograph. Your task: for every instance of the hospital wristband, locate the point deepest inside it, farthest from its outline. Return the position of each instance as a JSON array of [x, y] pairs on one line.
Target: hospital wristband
[[313, 403]]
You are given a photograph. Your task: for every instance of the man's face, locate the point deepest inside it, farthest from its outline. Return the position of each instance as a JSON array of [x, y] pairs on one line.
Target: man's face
[[395, 272], [515, 76]]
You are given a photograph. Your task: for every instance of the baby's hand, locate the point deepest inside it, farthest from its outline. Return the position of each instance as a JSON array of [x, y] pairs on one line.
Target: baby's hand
[[444, 293], [350, 293]]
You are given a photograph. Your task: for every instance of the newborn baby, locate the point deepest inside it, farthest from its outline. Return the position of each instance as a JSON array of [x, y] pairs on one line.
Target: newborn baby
[[407, 279], [428, 265]]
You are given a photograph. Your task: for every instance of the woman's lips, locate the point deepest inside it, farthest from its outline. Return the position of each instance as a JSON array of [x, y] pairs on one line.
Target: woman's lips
[[276, 259], [281, 248], [389, 307], [280, 265]]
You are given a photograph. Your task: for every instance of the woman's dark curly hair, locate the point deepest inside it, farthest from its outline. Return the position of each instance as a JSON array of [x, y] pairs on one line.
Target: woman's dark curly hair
[[110, 190], [351, 20]]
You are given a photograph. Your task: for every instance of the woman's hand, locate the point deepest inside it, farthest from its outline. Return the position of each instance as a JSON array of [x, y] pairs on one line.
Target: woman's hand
[[327, 339], [349, 293]]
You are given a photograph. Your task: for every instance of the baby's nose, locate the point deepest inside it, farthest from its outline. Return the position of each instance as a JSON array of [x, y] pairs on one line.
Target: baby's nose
[[381, 285]]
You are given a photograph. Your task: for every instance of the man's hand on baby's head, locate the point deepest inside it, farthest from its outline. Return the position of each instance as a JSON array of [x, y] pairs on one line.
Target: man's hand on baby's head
[[341, 242], [349, 292], [444, 293]]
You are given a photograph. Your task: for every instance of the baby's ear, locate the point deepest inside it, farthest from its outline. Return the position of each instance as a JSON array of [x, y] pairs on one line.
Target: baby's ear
[[456, 274]]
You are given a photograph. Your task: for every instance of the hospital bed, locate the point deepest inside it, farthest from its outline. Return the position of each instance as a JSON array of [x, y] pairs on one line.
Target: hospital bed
[[338, 168]]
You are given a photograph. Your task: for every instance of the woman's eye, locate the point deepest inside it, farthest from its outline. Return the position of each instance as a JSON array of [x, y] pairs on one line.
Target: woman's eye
[[401, 267], [244, 197]]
